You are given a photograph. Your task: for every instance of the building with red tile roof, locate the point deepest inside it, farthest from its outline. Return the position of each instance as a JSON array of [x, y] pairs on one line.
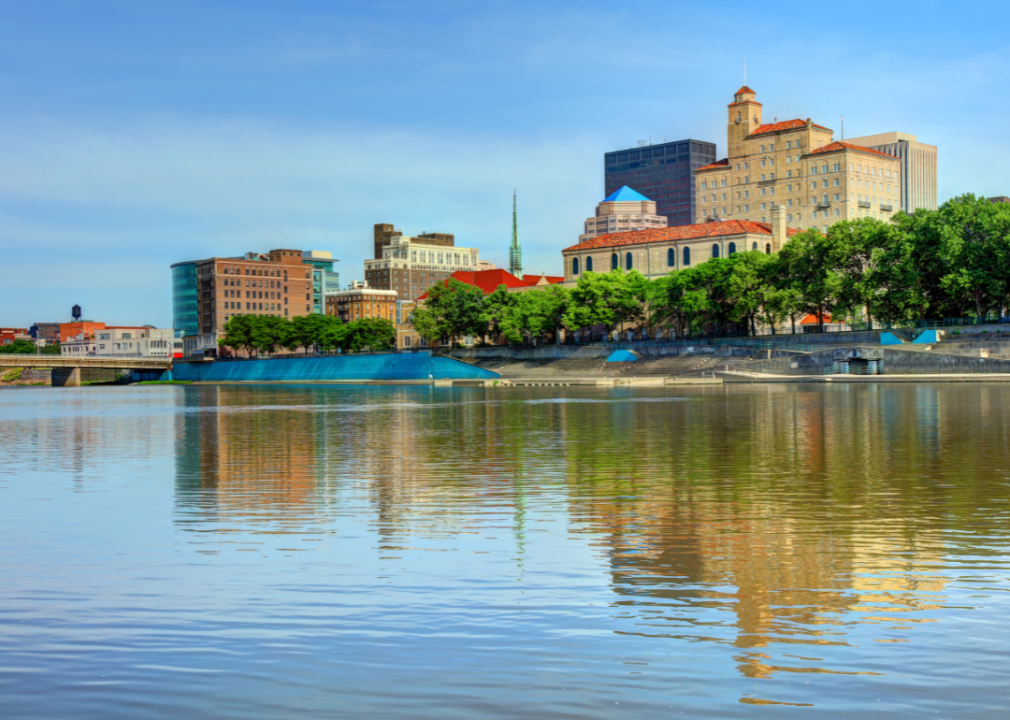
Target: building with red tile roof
[[489, 280], [796, 165], [655, 253]]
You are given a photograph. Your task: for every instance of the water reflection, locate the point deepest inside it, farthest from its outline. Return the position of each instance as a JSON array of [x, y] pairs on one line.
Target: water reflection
[[806, 531]]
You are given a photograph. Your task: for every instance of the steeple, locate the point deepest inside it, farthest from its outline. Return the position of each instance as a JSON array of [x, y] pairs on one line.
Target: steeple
[[515, 250]]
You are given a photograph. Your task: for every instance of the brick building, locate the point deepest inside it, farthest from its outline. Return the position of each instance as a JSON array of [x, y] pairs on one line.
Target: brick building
[[208, 293], [361, 301]]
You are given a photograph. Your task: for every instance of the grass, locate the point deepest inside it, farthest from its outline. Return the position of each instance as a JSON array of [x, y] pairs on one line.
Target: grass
[[12, 375]]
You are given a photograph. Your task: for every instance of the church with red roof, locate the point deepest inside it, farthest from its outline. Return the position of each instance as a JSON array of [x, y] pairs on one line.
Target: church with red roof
[[796, 165]]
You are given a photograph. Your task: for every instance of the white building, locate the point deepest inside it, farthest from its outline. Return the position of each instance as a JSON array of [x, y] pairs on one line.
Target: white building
[[145, 341], [623, 211]]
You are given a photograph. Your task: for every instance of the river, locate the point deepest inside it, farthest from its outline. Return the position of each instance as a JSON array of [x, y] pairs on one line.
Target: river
[[323, 551]]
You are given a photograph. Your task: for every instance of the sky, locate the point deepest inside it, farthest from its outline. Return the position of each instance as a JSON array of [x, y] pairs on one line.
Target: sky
[[137, 134]]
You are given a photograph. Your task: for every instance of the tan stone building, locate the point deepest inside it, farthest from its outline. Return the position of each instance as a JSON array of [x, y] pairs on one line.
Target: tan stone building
[[918, 167], [655, 253], [411, 265], [361, 301], [795, 164]]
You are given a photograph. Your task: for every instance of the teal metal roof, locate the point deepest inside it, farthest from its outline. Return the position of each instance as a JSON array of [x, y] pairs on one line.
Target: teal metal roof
[[626, 194]]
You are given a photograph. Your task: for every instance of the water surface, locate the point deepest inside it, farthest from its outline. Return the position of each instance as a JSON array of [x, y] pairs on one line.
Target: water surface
[[417, 552]]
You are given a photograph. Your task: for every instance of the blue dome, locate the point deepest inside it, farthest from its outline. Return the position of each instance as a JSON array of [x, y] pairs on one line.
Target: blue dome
[[626, 194]]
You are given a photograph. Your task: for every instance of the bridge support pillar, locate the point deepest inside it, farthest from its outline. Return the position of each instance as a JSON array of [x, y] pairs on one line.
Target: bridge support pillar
[[67, 377]]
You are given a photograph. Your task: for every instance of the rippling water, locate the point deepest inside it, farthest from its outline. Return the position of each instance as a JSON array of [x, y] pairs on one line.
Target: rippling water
[[411, 552]]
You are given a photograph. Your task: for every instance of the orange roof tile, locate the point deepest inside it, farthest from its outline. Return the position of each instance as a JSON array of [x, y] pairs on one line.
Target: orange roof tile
[[838, 145], [534, 279], [811, 319], [784, 125], [678, 232], [744, 89], [487, 280], [715, 166]]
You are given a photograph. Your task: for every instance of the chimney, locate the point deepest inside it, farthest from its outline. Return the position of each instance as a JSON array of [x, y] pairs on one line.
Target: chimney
[[779, 233]]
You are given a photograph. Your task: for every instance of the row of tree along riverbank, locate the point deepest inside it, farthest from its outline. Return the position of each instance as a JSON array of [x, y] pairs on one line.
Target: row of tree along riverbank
[[266, 334], [952, 262]]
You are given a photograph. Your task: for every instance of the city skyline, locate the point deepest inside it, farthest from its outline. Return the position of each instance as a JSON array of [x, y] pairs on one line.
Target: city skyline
[[135, 138]]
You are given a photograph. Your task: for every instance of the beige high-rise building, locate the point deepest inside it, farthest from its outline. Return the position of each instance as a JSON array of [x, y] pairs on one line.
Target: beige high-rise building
[[624, 210], [796, 164], [918, 167]]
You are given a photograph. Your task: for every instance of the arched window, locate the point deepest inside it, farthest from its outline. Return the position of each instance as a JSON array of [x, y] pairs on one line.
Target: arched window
[[687, 256], [613, 261], [627, 265], [589, 264], [671, 257], [754, 246], [575, 266], [732, 248], [768, 249], [715, 250]]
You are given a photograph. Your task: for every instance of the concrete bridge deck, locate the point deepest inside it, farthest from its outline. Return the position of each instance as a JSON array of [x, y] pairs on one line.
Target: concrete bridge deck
[[65, 361], [67, 369]]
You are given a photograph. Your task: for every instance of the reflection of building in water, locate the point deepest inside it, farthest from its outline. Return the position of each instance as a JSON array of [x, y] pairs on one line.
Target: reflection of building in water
[[770, 509], [239, 458]]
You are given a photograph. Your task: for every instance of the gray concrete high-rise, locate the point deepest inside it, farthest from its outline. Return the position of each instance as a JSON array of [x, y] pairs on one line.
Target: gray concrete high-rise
[[918, 166]]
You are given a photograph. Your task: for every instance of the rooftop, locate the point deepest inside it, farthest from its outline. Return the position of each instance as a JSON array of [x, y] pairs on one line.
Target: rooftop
[[626, 194], [838, 146], [678, 232], [716, 165], [489, 280], [785, 125]]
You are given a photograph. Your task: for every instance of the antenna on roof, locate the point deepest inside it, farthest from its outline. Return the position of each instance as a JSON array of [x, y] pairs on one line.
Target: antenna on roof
[[745, 71]]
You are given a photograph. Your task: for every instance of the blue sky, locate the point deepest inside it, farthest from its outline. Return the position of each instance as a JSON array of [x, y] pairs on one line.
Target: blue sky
[[137, 134]]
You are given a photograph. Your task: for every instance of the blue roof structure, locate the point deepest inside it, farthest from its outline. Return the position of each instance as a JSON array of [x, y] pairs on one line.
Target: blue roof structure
[[626, 194]]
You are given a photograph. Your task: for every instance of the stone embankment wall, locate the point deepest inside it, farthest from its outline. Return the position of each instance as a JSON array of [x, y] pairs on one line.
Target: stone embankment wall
[[896, 361]]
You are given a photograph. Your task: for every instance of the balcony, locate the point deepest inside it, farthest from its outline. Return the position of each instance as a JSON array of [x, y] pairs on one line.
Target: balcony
[[823, 204], [886, 207], [864, 203], [766, 183]]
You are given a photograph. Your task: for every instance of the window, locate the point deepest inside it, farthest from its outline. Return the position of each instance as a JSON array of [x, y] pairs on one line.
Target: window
[[589, 264], [762, 191], [613, 261], [687, 256], [746, 208], [813, 185], [746, 193], [762, 148], [732, 248], [789, 146], [724, 182], [763, 206], [704, 186], [836, 211], [627, 258], [575, 266], [824, 183], [715, 250], [789, 218], [768, 248]]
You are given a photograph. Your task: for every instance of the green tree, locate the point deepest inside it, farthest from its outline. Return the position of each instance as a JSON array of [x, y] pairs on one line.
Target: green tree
[[368, 334], [602, 299], [451, 310], [238, 333], [307, 331], [51, 349], [18, 347], [541, 311], [270, 333], [500, 315]]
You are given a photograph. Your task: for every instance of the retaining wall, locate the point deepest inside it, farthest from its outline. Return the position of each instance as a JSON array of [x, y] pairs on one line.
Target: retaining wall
[[380, 366]]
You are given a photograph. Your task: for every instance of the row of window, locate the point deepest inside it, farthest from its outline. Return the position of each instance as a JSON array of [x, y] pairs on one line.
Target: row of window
[[671, 257]]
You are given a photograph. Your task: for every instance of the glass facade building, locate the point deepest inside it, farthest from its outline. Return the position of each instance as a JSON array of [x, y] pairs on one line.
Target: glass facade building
[[324, 280], [185, 299], [663, 173]]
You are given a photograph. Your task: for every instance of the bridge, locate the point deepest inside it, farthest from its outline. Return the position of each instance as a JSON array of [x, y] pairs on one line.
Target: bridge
[[67, 369]]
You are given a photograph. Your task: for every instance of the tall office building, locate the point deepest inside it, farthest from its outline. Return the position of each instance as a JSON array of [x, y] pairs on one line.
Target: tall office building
[[664, 173], [918, 167]]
